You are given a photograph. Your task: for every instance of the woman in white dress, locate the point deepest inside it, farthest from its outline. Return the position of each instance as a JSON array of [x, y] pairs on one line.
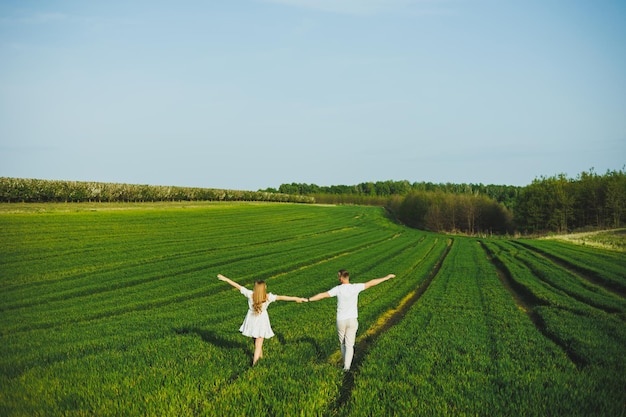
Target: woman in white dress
[[257, 321]]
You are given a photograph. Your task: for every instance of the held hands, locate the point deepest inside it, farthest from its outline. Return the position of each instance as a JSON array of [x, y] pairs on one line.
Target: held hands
[[302, 300]]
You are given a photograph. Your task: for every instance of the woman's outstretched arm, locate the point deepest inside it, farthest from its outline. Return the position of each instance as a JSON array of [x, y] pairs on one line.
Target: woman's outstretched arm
[[228, 280], [290, 298]]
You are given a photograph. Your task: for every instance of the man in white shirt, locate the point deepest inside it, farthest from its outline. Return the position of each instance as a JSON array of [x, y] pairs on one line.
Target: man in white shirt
[[347, 311]]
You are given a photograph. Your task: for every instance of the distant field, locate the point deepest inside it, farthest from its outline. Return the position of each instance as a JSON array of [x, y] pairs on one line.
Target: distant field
[[609, 239], [115, 309]]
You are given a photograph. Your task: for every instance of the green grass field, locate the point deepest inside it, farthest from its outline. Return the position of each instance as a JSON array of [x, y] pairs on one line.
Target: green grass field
[[115, 309]]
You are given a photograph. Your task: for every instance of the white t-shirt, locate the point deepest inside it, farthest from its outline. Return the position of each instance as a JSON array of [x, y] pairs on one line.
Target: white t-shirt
[[347, 300]]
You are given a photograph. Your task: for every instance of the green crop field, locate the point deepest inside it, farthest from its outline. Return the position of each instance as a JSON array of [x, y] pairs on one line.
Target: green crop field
[[115, 310]]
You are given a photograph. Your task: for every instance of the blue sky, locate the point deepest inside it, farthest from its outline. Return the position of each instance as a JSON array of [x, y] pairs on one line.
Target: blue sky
[[250, 94]]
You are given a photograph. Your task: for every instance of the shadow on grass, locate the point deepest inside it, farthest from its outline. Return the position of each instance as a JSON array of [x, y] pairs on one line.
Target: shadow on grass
[[214, 338], [319, 353]]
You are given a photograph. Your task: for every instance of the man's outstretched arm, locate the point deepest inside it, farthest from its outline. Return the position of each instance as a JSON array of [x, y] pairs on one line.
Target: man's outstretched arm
[[319, 296], [377, 281]]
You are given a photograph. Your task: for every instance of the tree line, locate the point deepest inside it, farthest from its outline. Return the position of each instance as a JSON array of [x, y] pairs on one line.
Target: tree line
[[561, 205], [505, 194], [51, 191], [549, 204]]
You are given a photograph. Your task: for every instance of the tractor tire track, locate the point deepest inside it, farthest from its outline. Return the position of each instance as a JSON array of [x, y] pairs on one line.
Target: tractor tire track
[[527, 302], [581, 272], [118, 310], [389, 319]]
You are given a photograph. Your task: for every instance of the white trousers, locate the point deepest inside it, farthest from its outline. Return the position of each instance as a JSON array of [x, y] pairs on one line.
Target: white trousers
[[346, 330]]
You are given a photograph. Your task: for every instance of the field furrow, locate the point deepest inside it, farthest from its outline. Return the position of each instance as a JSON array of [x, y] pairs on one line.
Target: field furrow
[[465, 348], [116, 310], [604, 268]]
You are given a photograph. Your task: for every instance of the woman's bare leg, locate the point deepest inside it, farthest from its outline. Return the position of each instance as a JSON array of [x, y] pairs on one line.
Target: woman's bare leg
[[258, 349]]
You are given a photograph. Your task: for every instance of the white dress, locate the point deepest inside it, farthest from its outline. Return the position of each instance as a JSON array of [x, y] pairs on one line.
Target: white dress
[[257, 325]]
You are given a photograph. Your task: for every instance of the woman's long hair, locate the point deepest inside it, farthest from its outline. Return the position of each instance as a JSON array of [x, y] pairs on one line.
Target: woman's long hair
[[259, 296]]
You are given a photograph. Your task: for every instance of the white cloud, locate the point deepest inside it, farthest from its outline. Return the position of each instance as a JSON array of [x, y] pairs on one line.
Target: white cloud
[[35, 19], [47, 18], [353, 7]]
